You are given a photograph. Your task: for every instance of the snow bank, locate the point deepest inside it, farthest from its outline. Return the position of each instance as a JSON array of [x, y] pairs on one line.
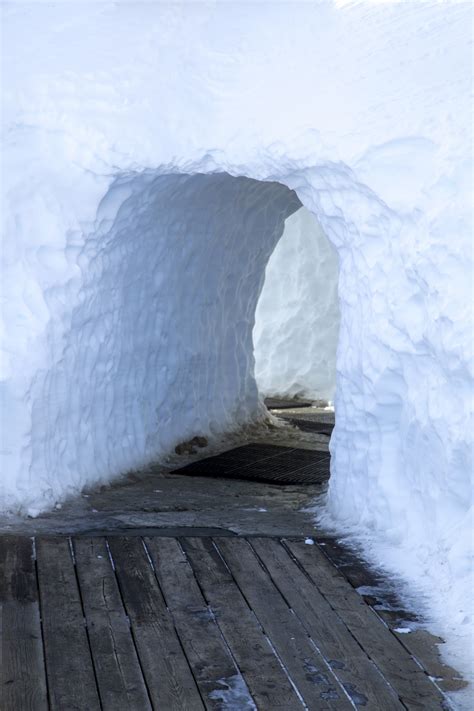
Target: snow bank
[[155, 345], [297, 317], [112, 350]]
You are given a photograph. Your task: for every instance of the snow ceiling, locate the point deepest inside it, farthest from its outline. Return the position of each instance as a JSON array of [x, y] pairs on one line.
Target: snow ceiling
[[151, 154]]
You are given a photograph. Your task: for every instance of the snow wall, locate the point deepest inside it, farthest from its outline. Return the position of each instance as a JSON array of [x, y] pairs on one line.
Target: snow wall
[[130, 279], [152, 343], [297, 317]]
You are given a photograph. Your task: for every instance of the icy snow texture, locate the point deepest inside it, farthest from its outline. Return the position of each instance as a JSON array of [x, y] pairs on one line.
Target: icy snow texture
[[158, 345], [363, 110], [297, 317]]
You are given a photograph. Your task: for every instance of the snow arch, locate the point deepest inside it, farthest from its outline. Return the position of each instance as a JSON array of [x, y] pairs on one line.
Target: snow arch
[[158, 347], [159, 320]]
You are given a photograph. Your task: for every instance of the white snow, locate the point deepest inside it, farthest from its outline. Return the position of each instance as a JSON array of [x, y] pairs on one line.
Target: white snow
[[233, 694], [297, 317], [135, 369], [132, 263]]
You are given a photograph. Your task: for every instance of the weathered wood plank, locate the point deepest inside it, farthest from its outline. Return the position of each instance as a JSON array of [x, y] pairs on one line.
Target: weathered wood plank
[[422, 645], [357, 673], [169, 679], [119, 677], [307, 668], [412, 685], [70, 672], [265, 678], [210, 659], [22, 670]]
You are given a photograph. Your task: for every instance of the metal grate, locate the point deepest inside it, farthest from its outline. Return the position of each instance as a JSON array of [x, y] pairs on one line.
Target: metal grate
[[268, 463]]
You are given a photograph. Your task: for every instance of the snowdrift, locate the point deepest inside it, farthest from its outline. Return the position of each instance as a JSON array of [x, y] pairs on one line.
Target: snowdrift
[[151, 154], [297, 316]]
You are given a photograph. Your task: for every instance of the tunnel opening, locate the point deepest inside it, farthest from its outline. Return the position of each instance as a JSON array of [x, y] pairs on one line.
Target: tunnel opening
[[296, 334], [297, 317], [150, 340], [159, 346]]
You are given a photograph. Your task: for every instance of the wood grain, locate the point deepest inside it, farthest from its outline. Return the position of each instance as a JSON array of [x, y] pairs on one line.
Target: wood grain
[[22, 670], [69, 667], [169, 679], [119, 677]]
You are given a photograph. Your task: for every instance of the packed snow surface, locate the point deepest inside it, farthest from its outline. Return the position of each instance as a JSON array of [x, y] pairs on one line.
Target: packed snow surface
[[297, 317], [135, 239]]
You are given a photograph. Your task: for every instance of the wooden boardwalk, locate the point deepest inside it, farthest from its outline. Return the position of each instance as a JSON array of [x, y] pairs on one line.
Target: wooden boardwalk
[[138, 623]]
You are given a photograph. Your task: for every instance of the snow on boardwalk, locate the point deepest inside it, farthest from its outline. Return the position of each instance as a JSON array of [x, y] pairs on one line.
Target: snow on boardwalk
[[159, 622]]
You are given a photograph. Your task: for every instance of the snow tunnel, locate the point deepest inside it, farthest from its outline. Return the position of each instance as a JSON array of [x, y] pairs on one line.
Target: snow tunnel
[[158, 347], [141, 337]]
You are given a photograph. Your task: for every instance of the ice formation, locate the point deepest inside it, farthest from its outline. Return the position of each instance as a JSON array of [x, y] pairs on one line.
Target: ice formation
[[297, 317], [135, 243]]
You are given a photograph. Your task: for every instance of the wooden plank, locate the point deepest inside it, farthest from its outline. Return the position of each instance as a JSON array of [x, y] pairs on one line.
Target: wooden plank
[[214, 669], [423, 646], [169, 679], [119, 677], [350, 664], [22, 670], [264, 675], [69, 668], [412, 685], [306, 666], [420, 644]]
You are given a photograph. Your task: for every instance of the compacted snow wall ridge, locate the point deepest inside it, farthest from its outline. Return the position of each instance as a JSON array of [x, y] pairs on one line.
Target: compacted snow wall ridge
[[297, 317], [157, 345], [111, 110]]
